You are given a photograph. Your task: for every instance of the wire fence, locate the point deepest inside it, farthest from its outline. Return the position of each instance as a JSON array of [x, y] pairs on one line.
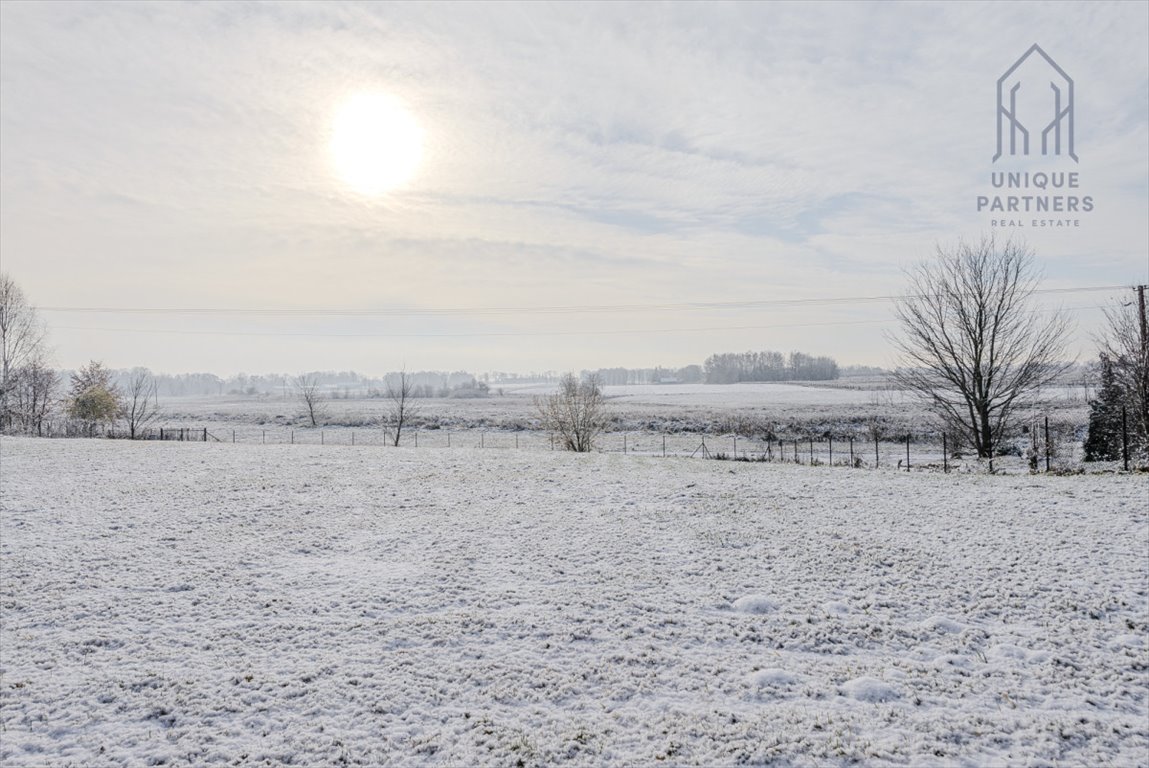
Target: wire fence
[[1038, 449]]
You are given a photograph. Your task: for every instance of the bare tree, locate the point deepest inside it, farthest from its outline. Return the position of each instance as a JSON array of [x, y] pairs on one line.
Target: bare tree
[[401, 393], [140, 403], [1125, 342], [576, 413], [311, 397], [33, 386], [21, 340], [973, 347]]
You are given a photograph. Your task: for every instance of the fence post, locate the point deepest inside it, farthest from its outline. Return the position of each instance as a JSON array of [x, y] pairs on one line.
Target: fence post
[[945, 455], [1047, 451], [233, 435], [264, 438], [293, 437], [664, 446], [448, 439], [624, 442], [907, 452], [831, 450], [795, 451], [161, 433], [353, 437], [876, 458], [1124, 440], [205, 434], [811, 451], [415, 432], [482, 439], [516, 440], [736, 446], [851, 450]]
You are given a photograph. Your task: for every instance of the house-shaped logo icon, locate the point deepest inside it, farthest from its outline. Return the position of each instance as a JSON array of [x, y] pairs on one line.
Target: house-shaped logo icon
[[1035, 107]]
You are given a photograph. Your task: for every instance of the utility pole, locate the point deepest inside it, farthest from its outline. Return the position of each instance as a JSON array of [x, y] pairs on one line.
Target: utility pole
[[1141, 305]]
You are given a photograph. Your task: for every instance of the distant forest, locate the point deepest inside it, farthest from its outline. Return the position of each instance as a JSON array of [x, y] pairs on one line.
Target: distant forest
[[733, 367], [725, 368]]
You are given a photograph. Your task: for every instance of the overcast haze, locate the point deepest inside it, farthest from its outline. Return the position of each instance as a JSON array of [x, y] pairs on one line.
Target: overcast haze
[[177, 156]]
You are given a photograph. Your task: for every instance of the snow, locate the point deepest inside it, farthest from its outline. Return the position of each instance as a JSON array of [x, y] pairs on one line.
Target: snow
[[755, 604], [773, 677], [743, 395], [175, 603], [870, 690]]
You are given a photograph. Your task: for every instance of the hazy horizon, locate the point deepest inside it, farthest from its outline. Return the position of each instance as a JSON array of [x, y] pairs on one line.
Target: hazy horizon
[[563, 186]]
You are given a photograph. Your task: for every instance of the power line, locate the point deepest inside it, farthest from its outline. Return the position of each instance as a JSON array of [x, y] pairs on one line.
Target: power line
[[613, 332], [539, 310], [483, 334]]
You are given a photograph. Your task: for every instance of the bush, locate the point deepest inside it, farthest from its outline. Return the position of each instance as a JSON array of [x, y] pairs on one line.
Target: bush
[[575, 414]]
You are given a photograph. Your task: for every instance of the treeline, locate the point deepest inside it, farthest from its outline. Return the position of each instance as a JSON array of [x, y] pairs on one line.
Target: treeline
[[334, 384], [734, 367], [690, 374]]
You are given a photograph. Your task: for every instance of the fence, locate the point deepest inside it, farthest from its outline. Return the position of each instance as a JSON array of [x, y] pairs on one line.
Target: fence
[[1047, 451]]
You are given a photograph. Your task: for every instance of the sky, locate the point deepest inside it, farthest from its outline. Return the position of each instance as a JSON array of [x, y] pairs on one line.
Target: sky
[[594, 184]]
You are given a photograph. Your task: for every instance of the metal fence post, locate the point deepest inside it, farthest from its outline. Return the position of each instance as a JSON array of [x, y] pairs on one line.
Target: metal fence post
[[907, 452], [1124, 440], [1047, 449], [945, 455]]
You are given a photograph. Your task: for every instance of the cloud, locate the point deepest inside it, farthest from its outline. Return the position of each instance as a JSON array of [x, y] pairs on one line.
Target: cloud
[[657, 152]]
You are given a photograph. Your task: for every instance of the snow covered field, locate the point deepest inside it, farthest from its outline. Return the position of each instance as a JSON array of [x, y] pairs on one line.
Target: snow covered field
[[516, 405], [638, 406], [169, 603]]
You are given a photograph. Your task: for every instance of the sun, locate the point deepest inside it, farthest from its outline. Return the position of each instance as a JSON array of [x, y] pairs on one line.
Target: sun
[[376, 144]]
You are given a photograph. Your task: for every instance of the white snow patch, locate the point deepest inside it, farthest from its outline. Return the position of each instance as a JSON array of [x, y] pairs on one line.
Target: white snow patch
[[774, 677], [755, 604], [869, 689], [942, 624], [1127, 641], [1007, 651]]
